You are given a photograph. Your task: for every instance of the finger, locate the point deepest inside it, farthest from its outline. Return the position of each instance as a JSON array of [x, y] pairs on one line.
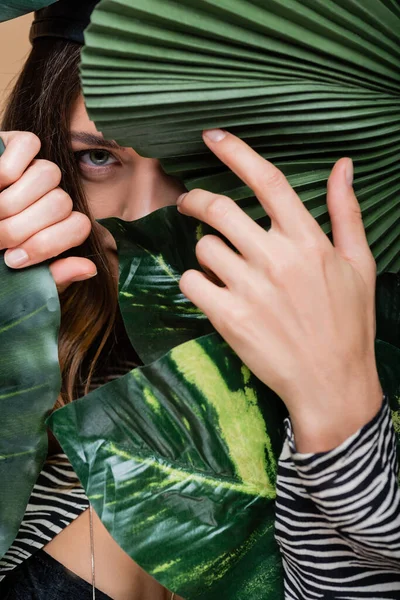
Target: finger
[[348, 231], [280, 201], [224, 215], [51, 242], [66, 271], [207, 296], [52, 208], [213, 254], [21, 149], [41, 177]]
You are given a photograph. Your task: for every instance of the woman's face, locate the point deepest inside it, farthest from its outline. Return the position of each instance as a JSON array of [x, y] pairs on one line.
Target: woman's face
[[117, 181]]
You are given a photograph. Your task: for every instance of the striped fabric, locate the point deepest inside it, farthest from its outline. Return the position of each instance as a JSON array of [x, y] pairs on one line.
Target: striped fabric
[[58, 497], [338, 517], [57, 500], [337, 514]]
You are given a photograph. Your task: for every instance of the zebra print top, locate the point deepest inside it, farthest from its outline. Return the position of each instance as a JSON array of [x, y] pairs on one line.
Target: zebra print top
[[57, 499], [337, 516]]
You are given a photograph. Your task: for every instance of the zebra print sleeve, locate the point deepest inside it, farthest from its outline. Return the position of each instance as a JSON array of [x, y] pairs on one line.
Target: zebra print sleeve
[[338, 516]]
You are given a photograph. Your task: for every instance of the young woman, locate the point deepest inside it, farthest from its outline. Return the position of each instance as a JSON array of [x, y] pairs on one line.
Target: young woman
[[303, 311]]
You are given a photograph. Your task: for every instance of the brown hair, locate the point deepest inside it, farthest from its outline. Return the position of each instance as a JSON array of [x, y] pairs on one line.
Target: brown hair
[[41, 103]]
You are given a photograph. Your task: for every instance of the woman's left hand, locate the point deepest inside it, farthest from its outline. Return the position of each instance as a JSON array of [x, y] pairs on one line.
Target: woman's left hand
[[297, 309]]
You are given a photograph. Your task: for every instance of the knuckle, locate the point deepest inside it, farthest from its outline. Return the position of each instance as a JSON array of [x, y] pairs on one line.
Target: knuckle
[[30, 140], [9, 174], [355, 213], [61, 200], [9, 235], [316, 256], [82, 227], [194, 193], [271, 178], [281, 271], [48, 169], [38, 249], [10, 167], [191, 196], [185, 280], [311, 239], [237, 315], [205, 245], [41, 245], [314, 244], [217, 208]]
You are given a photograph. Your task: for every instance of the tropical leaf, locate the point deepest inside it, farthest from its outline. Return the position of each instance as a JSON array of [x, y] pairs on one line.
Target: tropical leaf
[[303, 82], [10, 9], [145, 443], [153, 253], [182, 454], [388, 309], [388, 344], [29, 386]]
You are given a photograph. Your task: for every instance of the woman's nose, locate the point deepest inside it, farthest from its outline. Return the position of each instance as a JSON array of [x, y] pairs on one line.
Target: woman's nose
[[150, 189]]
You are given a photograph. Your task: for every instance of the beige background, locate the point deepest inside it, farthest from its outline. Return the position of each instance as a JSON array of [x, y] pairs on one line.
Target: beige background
[[14, 48]]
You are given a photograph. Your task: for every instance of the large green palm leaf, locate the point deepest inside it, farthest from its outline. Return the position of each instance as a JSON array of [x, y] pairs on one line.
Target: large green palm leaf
[[179, 460], [29, 385], [304, 82]]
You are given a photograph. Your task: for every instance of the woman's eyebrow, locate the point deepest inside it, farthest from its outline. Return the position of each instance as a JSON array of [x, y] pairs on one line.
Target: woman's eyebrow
[[91, 139]]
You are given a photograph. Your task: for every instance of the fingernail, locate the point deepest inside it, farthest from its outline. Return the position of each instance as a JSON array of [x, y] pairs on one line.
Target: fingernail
[[180, 199], [16, 258], [84, 277], [350, 172], [215, 135]]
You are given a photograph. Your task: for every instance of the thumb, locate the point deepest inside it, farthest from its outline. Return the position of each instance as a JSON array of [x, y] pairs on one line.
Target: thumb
[[349, 237], [68, 270]]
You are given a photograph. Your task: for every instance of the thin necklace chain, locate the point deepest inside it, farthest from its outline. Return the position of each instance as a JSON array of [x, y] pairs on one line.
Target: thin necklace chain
[[92, 555]]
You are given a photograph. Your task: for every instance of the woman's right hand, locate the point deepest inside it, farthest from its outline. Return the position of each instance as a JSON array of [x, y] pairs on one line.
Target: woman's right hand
[[37, 220]]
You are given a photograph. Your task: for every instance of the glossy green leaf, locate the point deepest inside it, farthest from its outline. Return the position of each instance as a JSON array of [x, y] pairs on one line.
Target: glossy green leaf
[[303, 82], [153, 253], [137, 442], [10, 9], [388, 344], [29, 386], [388, 309], [179, 460]]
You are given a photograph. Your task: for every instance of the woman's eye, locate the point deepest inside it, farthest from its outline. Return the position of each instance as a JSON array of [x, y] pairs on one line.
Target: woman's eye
[[97, 158]]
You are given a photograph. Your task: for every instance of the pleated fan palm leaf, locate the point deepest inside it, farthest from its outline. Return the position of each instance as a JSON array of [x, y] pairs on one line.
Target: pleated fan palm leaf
[[304, 82]]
